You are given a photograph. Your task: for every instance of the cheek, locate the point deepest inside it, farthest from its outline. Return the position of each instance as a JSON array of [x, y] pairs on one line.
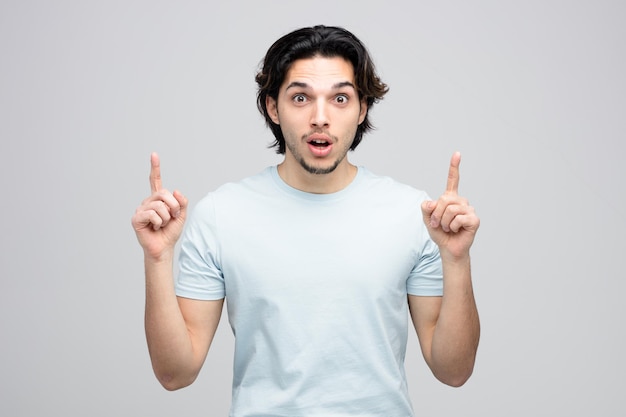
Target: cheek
[[289, 128], [293, 118]]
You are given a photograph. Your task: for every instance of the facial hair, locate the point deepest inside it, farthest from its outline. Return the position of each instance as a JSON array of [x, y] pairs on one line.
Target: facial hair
[[312, 169]]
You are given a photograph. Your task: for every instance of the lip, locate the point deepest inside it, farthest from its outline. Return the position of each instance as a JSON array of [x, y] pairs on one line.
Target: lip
[[319, 151]]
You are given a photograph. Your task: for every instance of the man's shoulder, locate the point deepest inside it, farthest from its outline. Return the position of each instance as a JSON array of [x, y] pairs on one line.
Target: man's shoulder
[[245, 188], [388, 186], [252, 182]]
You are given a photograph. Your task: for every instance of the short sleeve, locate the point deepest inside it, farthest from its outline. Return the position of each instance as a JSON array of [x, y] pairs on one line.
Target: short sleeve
[[426, 278], [200, 274]]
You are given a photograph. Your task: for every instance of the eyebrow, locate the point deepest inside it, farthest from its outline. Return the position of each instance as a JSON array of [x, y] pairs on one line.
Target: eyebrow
[[336, 86]]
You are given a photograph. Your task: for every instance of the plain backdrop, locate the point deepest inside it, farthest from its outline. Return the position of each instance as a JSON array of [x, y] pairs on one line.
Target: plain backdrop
[[531, 92]]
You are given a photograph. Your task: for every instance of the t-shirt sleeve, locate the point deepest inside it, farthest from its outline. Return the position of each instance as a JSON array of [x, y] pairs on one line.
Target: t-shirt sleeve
[[426, 277], [200, 275]]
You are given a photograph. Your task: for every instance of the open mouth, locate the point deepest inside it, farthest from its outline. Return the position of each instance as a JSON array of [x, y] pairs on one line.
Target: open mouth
[[319, 143]]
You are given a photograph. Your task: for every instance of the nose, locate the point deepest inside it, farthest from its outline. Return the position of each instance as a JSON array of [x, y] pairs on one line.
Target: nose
[[319, 115]]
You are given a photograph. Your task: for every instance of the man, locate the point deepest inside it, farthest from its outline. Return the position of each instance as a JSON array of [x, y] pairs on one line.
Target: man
[[320, 261]]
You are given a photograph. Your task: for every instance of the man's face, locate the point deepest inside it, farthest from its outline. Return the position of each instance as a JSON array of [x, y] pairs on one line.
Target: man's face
[[318, 110]]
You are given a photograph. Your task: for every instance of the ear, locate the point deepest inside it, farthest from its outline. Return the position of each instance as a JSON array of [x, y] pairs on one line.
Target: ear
[[272, 109], [363, 110]]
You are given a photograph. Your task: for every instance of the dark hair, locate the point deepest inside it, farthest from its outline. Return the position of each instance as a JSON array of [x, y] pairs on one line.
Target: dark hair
[[327, 41]]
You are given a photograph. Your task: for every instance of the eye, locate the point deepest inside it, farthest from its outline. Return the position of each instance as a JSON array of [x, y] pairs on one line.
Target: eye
[[299, 98], [341, 99]]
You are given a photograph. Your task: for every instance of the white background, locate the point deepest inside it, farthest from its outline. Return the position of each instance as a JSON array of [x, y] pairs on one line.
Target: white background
[[532, 93]]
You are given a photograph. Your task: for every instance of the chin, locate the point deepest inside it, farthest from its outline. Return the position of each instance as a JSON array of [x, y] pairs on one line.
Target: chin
[[319, 170]]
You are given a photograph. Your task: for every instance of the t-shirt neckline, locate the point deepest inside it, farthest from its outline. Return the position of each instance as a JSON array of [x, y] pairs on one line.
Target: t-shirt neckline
[[294, 192]]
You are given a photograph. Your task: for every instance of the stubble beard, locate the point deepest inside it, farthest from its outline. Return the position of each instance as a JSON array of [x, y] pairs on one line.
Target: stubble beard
[[313, 169], [319, 170]]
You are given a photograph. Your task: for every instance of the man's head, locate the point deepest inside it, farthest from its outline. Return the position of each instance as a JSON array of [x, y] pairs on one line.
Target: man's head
[[306, 43]]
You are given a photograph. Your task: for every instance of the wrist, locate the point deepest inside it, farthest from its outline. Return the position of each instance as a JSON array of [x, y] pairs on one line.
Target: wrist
[[460, 259], [156, 259], [456, 268]]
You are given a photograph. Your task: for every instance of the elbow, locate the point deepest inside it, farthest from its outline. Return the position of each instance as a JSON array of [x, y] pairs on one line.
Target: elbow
[[454, 376], [172, 383], [174, 375], [454, 371], [455, 380]]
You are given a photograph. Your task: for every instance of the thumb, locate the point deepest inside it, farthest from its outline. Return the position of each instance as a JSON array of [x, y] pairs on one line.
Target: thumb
[[428, 207], [183, 202]]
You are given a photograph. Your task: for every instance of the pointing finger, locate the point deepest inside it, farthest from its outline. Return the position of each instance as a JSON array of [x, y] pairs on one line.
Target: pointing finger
[[453, 174], [155, 172]]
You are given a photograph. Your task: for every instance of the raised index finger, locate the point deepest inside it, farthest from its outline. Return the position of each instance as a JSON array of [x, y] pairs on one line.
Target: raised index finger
[[453, 174], [155, 172]]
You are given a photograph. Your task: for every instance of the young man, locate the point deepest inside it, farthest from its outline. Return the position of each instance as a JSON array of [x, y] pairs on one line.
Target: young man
[[321, 262]]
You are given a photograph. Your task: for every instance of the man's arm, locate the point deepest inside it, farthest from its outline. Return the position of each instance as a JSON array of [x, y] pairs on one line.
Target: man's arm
[[179, 331], [448, 327]]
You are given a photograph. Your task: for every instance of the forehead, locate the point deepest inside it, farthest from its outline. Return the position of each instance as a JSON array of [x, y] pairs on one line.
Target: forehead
[[320, 71]]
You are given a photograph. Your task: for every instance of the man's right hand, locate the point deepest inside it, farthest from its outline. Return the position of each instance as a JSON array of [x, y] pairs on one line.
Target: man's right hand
[[159, 220]]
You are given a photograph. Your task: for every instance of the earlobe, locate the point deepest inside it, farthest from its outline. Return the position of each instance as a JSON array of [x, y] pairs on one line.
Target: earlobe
[[272, 110]]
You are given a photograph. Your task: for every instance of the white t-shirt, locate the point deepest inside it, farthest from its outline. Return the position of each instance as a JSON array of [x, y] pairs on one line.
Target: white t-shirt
[[316, 289]]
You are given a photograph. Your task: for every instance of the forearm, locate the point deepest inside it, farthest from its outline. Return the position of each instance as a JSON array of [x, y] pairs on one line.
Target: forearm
[[457, 332], [169, 344]]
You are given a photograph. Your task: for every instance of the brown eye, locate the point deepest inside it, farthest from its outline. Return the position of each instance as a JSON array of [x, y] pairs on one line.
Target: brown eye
[[341, 99], [299, 98]]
